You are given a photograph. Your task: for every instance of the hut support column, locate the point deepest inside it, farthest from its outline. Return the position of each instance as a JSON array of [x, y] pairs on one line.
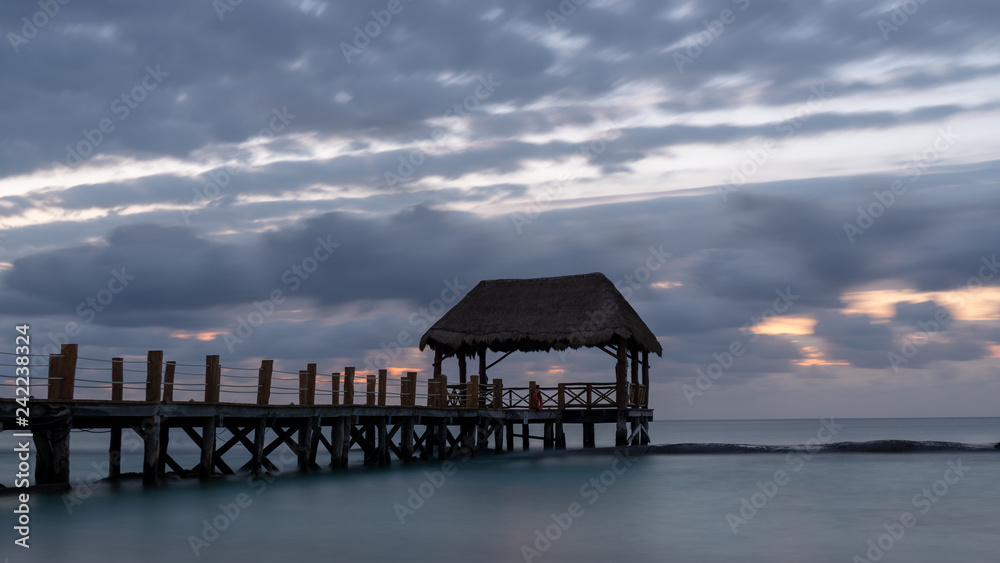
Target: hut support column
[[482, 365], [461, 368], [525, 436], [645, 377], [621, 392]]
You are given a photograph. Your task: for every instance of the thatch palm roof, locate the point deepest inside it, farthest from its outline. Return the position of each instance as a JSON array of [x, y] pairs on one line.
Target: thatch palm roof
[[540, 314]]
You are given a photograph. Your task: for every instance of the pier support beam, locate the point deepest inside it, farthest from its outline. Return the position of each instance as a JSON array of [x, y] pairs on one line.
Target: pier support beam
[[525, 436], [588, 435], [52, 455], [207, 449], [560, 436], [339, 440], [382, 454], [257, 456], [406, 440], [510, 436], [621, 432], [547, 440], [151, 452]]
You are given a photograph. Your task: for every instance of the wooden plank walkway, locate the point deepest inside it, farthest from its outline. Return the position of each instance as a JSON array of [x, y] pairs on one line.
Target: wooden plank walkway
[[418, 421]]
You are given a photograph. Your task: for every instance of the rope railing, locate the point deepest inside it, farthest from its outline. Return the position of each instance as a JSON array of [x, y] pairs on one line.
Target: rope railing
[[339, 388]]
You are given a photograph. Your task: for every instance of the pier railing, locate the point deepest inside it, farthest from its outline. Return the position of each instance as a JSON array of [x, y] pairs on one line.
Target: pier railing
[[173, 382]]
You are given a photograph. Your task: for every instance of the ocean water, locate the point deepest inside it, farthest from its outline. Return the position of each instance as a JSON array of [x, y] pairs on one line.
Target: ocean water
[[802, 505]]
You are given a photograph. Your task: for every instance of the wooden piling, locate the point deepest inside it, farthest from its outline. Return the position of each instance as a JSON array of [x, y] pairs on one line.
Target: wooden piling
[[264, 382], [154, 375], [383, 376], [461, 368], [67, 370], [213, 374], [406, 440], [310, 384], [510, 435], [472, 393], [547, 438], [645, 376], [207, 465], [370, 389], [525, 436], [117, 383], [168, 382], [335, 385], [339, 438], [151, 452], [621, 392], [349, 386], [259, 433], [497, 393], [588, 435]]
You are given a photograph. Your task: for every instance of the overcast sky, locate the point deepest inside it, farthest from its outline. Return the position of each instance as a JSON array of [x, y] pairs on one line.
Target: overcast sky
[[811, 185]]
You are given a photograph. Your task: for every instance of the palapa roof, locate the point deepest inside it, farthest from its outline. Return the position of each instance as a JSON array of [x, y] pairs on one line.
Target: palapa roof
[[540, 314]]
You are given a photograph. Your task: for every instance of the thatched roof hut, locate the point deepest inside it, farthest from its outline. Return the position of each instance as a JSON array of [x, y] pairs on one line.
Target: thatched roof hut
[[542, 314]]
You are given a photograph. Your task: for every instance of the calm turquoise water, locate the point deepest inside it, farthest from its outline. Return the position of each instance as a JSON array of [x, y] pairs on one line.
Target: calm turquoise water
[[826, 507]]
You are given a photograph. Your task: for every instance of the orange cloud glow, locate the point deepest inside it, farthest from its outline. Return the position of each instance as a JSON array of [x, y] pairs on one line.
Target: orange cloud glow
[[786, 325]]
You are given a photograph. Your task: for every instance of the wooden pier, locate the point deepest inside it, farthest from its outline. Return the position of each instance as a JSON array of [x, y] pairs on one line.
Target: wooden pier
[[334, 414]]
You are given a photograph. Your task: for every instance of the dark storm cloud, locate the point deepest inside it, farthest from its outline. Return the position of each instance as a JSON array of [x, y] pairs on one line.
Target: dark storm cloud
[[734, 259], [226, 77]]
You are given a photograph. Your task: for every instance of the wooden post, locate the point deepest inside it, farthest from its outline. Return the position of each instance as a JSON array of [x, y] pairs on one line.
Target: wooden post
[[310, 384], [461, 368], [472, 393], [510, 436], [432, 385], [548, 442], [370, 393], [67, 370], [117, 382], [168, 382], [303, 391], [151, 453], [635, 366], [161, 461], [525, 436], [154, 375], [438, 356], [621, 392], [383, 440], [349, 386], [406, 440], [115, 452], [383, 376], [482, 365], [411, 389], [338, 440], [645, 376], [213, 374], [259, 432], [207, 464], [264, 382], [305, 439], [498, 436], [588, 434], [498, 393], [560, 436], [55, 379], [443, 397], [335, 382], [562, 396]]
